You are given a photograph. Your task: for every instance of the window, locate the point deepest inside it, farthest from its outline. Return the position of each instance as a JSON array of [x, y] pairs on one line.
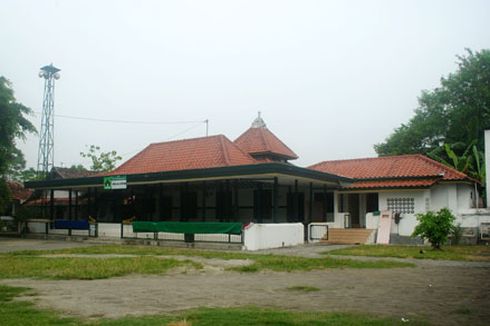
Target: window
[[341, 203], [401, 205], [262, 205], [224, 206], [372, 202]]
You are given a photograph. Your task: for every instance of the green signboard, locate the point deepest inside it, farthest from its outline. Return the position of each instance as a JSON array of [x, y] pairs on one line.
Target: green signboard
[[116, 182]]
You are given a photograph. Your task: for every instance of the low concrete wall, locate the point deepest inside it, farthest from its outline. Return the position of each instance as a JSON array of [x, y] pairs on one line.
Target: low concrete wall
[[267, 236]]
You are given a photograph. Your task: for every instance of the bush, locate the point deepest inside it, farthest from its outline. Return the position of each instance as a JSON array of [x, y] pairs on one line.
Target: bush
[[435, 227], [456, 234]]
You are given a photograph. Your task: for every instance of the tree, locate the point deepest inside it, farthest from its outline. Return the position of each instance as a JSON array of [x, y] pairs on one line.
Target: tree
[[29, 175], [456, 112], [471, 161], [13, 125], [101, 161], [435, 227]]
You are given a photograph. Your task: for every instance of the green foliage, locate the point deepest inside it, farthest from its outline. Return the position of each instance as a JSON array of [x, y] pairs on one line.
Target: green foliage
[[77, 168], [82, 268], [29, 174], [470, 161], [435, 227], [5, 196], [461, 253], [457, 112], [13, 125], [260, 262], [14, 312], [101, 161], [456, 234]]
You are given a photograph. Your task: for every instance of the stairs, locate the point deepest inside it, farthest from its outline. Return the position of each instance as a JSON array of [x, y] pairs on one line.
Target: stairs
[[349, 236]]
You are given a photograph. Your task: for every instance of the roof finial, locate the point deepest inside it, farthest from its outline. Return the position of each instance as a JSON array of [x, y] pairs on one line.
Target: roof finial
[[258, 122]]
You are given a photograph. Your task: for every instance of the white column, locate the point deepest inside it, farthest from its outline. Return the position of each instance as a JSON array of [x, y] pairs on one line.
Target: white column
[[487, 164]]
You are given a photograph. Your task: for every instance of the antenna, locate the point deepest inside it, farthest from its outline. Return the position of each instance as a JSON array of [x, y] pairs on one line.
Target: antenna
[[45, 159]]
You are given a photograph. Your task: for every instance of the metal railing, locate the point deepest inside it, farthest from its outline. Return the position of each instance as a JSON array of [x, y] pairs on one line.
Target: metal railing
[[127, 233]]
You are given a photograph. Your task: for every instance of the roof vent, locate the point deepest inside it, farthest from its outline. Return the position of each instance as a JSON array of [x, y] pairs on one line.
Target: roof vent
[[258, 122]]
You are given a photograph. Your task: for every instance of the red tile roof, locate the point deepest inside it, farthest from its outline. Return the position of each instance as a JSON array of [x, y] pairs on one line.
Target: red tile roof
[[403, 171], [260, 141], [70, 173], [196, 153], [407, 183], [18, 192]]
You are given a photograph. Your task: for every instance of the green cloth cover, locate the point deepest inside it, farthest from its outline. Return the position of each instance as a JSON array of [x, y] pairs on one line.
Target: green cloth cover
[[187, 227]]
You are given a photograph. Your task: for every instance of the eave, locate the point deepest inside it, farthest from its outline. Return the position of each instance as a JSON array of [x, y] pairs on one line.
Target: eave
[[228, 172]]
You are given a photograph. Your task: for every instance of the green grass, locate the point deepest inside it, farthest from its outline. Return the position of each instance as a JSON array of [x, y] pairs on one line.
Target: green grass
[[85, 268], [464, 253], [293, 263], [303, 288], [15, 313], [260, 262], [24, 313]]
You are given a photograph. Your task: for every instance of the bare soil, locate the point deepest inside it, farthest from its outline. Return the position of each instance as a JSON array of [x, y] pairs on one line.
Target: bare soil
[[449, 295]]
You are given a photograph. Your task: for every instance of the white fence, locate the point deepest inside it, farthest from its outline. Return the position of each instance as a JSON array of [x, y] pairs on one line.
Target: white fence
[[273, 235]]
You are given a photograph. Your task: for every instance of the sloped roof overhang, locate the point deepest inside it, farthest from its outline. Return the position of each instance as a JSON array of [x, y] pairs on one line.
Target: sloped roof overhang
[[218, 173]]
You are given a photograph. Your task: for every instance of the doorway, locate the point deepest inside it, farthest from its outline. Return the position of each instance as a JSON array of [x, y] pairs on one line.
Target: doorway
[[353, 209]]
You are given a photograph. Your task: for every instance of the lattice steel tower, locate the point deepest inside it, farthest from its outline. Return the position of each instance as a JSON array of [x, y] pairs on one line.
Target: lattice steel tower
[[45, 159]]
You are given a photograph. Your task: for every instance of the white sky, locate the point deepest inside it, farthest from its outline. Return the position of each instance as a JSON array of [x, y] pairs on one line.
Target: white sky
[[331, 78]]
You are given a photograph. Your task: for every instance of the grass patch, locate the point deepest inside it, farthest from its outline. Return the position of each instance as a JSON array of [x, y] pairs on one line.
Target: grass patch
[[261, 262], [85, 268], [463, 253], [293, 263], [251, 316], [24, 313], [462, 311], [14, 313], [303, 288]]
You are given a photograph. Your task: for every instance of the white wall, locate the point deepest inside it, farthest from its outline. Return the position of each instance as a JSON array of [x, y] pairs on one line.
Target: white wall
[[473, 218], [408, 221], [372, 221], [466, 197], [266, 236]]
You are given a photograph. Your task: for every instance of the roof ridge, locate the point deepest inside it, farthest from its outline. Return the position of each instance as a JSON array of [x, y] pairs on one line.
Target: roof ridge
[[224, 149], [365, 159], [186, 139]]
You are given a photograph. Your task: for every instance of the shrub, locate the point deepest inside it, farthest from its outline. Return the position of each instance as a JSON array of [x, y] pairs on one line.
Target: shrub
[[456, 234], [435, 227]]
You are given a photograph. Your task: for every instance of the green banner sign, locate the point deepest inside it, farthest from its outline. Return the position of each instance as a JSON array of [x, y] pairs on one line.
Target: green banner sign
[[116, 182]]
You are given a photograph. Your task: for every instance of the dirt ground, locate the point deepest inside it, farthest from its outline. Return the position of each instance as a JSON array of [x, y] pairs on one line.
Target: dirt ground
[[16, 244], [451, 294]]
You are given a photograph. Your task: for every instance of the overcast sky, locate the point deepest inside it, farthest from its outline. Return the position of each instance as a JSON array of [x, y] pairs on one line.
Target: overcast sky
[[331, 78]]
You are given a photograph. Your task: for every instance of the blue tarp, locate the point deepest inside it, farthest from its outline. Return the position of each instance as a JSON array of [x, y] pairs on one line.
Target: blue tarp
[[73, 225]]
